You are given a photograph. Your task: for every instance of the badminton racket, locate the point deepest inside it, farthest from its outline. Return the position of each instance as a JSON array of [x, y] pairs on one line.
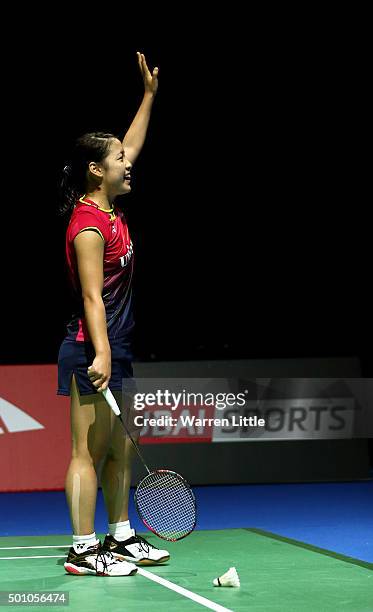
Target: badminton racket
[[164, 500]]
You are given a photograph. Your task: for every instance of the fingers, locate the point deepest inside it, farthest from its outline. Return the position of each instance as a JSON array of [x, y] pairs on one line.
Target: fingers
[[103, 386], [139, 59], [142, 63], [98, 380], [144, 68]]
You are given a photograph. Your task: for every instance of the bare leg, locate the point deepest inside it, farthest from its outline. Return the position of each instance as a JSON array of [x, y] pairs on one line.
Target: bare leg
[[116, 471], [91, 430]]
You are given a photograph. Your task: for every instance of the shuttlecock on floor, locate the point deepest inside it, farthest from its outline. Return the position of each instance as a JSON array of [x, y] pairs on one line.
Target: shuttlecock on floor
[[229, 579]]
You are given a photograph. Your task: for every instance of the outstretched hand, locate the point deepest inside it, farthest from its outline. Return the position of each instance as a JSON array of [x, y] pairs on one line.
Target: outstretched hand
[[150, 79]]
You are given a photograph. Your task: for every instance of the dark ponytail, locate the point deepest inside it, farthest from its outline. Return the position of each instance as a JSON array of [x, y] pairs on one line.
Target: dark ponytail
[[93, 147]]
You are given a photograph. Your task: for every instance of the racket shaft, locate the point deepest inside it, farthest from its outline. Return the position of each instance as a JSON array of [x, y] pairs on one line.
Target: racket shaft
[[115, 408]]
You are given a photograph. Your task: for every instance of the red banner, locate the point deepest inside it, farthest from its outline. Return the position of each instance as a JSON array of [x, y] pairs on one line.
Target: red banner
[[183, 424], [35, 445], [35, 440]]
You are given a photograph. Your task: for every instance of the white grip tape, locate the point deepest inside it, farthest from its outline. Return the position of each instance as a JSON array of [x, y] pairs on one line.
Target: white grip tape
[[111, 400]]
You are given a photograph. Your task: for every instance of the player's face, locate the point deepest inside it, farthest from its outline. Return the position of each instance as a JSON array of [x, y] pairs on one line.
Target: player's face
[[117, 169]]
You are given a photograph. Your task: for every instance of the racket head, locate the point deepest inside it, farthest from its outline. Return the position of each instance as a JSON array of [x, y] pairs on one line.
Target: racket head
[[166, 504]]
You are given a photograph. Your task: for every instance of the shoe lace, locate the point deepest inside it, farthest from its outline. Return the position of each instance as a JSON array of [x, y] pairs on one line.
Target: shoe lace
[[143, 544], [106, 557]]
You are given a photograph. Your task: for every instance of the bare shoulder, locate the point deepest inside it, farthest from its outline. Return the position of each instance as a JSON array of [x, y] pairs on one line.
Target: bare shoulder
[[89, 239]]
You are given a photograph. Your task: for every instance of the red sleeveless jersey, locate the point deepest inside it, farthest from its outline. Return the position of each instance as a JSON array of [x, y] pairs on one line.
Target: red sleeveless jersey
[[117, 266]]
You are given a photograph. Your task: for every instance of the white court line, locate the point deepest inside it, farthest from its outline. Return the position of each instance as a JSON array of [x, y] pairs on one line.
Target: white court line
[[175, 587], [21, 547], [166, 583], [36, 557]]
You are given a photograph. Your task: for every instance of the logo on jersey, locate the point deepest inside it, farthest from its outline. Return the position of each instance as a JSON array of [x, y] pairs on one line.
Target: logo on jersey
[[125, 259]]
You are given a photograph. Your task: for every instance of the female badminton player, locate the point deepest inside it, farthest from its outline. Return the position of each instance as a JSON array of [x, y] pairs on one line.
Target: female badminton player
[[97, 348]]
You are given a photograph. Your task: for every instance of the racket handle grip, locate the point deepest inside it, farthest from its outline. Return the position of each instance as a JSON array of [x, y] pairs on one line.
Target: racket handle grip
[[111, 401]]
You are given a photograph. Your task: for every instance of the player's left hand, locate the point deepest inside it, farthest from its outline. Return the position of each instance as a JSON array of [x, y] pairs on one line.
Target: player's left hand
[[150, 79]]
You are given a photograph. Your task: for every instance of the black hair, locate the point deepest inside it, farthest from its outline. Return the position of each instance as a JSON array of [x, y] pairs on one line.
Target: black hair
[[92, 147]]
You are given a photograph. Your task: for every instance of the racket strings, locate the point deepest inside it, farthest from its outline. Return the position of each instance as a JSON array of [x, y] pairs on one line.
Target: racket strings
[[166, 504]]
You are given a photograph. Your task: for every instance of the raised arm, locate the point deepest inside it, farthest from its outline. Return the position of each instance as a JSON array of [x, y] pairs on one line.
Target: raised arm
[[135, 136]]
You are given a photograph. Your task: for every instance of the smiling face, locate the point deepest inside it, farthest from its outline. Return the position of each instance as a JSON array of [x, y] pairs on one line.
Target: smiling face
[[114, 171]]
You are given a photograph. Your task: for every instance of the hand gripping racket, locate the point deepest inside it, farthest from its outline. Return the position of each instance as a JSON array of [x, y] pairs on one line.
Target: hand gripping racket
[[164, 500]]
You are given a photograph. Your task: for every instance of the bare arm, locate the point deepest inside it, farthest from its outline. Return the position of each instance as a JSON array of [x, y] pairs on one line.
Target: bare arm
[[135, 136], [89, 248]]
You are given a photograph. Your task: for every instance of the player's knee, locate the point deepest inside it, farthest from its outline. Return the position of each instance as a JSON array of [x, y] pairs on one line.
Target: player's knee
[[92, 457], [116, 453]]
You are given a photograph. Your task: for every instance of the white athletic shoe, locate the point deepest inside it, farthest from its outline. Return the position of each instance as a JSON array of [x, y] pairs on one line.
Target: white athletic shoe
[[95, 560], [135, 549]]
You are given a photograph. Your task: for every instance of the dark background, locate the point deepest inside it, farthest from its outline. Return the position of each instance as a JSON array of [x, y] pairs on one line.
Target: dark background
[[250, 202], [248, 211]]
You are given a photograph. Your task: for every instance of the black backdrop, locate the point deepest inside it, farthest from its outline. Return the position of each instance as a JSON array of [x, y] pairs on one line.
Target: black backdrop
[[247, 211]]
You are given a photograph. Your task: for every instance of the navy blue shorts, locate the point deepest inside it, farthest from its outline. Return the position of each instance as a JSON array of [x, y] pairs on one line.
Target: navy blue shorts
[[75, 358]]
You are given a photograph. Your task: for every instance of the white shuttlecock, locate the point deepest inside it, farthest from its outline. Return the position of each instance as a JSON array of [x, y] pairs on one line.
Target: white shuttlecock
[[229, 579]]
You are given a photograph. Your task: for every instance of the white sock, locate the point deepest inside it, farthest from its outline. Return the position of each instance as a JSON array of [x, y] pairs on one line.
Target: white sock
[[82, 542], [121, 531]]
